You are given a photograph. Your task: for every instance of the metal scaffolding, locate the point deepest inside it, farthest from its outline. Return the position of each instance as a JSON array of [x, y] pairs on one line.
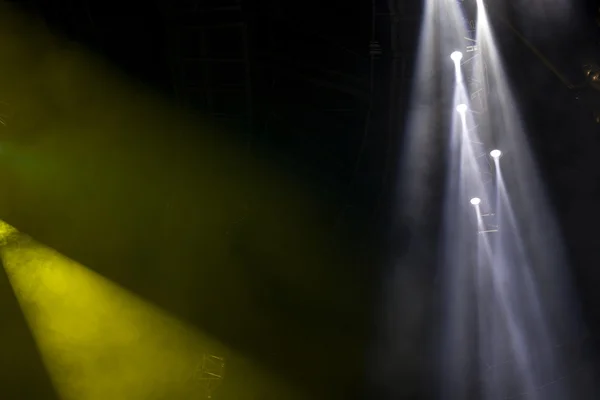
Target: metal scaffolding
[[209, 374], [210, 59], [475, 77]]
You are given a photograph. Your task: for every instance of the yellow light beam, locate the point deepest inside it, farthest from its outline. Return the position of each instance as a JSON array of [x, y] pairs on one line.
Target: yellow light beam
[[105, 173], [24, 376], [100, 342]]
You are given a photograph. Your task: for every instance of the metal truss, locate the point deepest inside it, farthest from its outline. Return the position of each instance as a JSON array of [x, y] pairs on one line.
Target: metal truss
[[476, 82], [209, 374], [211, 58]]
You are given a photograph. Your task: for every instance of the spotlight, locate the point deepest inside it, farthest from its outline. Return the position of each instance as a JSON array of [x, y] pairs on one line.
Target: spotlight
[[461, 108], [456, 56], [495, 153], [475, 201]]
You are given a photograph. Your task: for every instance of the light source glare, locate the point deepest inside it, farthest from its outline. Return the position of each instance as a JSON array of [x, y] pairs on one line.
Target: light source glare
[[461, 108], [495, 153], [475, 201], [456, 56]]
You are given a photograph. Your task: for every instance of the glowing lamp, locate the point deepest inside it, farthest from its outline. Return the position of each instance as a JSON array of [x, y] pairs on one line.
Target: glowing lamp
[[461, 108], [495, 153], [475, 201], [456, 56]]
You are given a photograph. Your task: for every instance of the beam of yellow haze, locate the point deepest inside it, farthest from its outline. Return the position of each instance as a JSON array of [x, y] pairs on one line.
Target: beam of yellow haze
[[97, 340], [172, 209]]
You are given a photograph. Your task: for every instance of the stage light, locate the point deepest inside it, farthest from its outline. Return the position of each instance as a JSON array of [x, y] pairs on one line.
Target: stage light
[[456, 56], [495, 153], [475, 201], [461, 108]]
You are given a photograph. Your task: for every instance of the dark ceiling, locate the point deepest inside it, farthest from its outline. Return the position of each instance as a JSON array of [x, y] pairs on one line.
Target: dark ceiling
[[290, 76]]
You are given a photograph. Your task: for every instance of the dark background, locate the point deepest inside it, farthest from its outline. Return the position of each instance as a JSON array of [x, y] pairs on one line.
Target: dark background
[[300, 85]]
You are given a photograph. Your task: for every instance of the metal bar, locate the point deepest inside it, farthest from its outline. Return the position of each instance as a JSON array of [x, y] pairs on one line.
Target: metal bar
[[541, 56], [248, 80], [215, 376], [285, 70], [206, 69], [212, 59], [204, 27]]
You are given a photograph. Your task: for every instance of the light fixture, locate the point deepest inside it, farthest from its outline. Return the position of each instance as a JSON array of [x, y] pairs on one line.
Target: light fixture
[[456, 56], [495, 153], [475, 201], [461, 108]]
